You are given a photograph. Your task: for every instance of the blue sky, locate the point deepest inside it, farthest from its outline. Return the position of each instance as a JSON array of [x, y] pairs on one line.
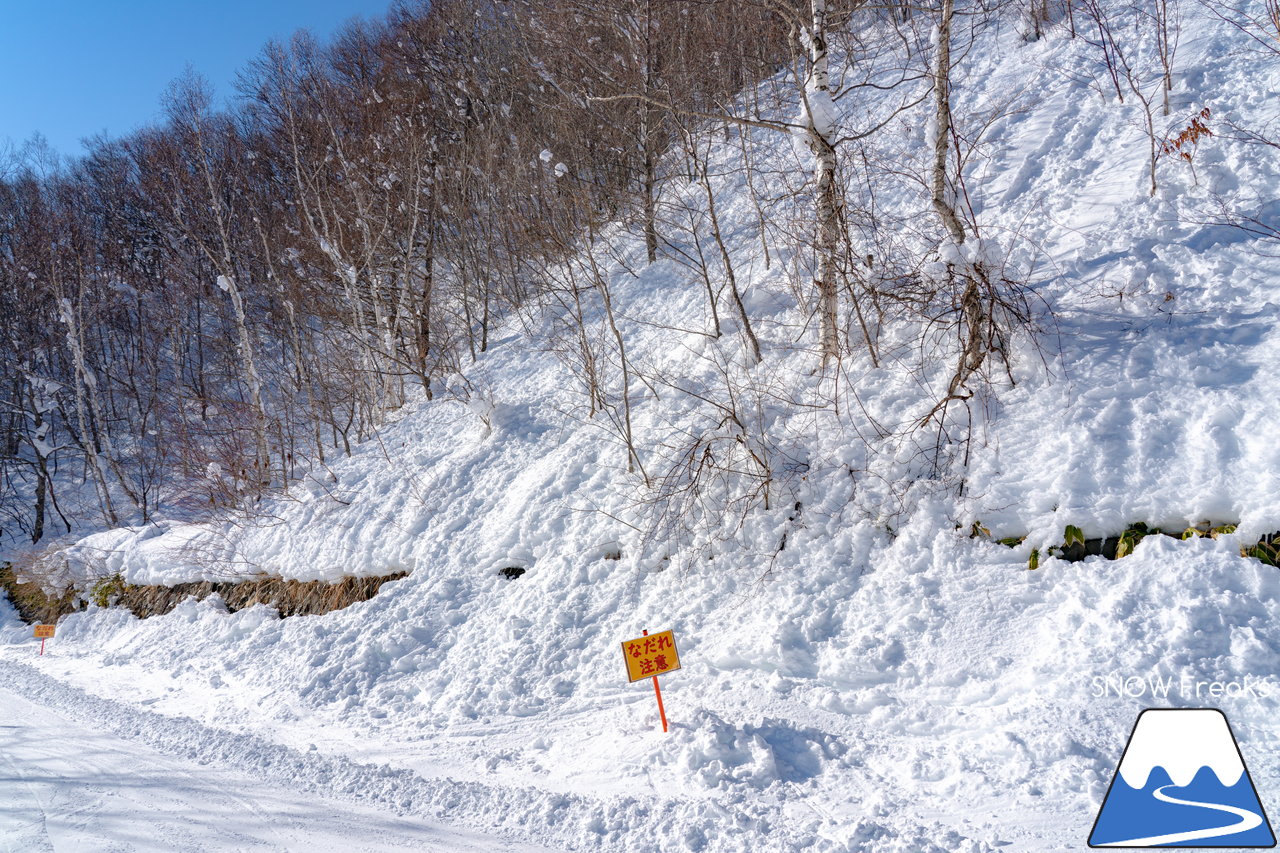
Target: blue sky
[[73, 68]]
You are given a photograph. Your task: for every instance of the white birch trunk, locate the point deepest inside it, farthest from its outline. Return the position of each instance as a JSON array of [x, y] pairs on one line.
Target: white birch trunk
[[820, 136], [942, 126], [87, 438], [252, 378]]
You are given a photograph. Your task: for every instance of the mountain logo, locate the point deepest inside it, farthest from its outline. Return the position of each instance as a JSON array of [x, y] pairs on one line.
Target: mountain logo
[[1182, 782]]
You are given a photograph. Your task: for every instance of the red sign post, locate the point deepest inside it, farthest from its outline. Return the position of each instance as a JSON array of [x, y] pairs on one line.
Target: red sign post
[[648, 656], [42, 633]]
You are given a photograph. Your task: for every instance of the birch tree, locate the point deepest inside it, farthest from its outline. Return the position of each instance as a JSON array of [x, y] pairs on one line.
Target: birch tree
[[973, 315], [817, 119], [211, 145]]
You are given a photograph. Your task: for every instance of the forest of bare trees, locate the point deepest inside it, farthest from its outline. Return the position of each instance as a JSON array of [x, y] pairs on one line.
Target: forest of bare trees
[[212, 307]]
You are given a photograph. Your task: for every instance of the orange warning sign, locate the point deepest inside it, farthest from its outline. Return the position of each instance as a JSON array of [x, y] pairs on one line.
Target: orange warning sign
[[44, 631], [654, 654]]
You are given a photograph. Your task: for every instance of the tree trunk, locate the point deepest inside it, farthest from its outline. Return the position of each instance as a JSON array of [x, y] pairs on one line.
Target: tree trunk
[[820, 137], [828, 245], [648, 138], [942, 126], [249, 365]]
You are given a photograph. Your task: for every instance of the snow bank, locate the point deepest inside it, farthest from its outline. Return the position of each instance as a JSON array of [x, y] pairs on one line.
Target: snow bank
[[12, 628]]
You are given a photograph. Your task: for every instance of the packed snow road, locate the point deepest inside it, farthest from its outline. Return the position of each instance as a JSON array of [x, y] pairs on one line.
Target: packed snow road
[[67, 784]]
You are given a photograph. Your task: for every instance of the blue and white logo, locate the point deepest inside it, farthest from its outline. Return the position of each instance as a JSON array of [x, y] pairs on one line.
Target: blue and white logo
[[1182, 783]]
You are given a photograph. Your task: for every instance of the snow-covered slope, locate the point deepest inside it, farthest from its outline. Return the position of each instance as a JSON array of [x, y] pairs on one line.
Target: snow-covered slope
[[1157, 409], [858, 675]]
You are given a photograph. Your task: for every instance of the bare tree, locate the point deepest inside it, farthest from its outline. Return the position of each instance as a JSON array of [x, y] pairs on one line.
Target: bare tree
[[214, 149]]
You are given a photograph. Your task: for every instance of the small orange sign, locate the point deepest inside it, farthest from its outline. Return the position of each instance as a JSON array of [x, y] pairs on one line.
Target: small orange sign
[[654, 654], [44, 631]]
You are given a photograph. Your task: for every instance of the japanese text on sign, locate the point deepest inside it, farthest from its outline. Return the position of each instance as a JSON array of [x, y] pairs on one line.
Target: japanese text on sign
[[44, 631], [652, 655]]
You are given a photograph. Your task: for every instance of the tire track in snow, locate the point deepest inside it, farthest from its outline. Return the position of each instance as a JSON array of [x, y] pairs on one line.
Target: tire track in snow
[[99, 792], [39, 841], [526, 814]]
